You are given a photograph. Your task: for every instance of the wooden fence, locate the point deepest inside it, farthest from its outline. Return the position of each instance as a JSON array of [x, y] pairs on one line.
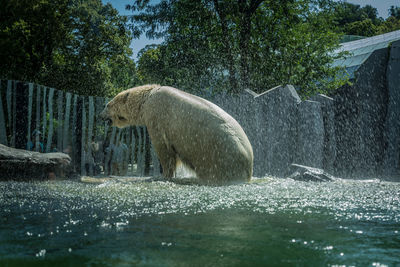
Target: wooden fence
[[44, 119]]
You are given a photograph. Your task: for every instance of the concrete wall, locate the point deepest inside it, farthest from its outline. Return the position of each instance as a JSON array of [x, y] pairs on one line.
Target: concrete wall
[[354, 134]]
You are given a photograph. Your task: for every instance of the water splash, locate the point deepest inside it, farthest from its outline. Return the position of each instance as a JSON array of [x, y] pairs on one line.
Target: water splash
[[342, 222]]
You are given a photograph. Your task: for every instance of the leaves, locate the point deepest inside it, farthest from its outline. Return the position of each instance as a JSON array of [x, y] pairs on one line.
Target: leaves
[[363, 21], [215, 45], [77, 46]]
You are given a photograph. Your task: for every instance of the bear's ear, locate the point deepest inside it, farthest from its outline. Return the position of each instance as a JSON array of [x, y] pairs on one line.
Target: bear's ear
[[125, 98]]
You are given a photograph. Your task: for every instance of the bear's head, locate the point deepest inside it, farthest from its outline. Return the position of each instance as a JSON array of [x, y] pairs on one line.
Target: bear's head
[[125, 109], [115, 112]]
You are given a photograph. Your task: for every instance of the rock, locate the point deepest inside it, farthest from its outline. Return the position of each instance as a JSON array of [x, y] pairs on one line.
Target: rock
[[360, 112], [269, 121], [19, 164], [372, 101], [328, 115], [310, 134], [275, 127], [391, 159], [308, 174]]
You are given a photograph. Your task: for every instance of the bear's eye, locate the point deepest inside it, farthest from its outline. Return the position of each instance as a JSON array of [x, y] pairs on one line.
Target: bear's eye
[[121, 118]]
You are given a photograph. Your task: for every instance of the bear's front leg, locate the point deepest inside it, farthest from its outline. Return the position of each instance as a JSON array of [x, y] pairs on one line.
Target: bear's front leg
[[169, 166], [166, 155]]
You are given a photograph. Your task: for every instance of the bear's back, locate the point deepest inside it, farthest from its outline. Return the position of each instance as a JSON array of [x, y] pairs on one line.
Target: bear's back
[[200, 131]]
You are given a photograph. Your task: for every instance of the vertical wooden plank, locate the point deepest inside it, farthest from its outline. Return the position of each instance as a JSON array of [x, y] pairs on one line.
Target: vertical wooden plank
[[117, 146], [98, 106], [128, 142], [98, 136], [83, 141], [3, 130], [90, 133], [29, 144], [37, 137], [51, 115], [118, 139], [141, 151], [106, 126], [106, 158], [66, 130], [9, 103], [156, 162], [74, 127], [125, 148], [20, 112], [44, 114], [60, 109], [14, 114], [108, 161], [132, 149], [147, 152]]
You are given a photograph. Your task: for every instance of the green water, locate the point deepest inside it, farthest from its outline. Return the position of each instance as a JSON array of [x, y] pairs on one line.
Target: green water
[[270, 222]]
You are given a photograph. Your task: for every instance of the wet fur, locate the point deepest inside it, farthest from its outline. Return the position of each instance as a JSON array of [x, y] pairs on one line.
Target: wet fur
[[188, 129]]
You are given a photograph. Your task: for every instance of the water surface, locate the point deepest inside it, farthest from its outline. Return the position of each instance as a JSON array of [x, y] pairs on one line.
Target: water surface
[[155, 223]]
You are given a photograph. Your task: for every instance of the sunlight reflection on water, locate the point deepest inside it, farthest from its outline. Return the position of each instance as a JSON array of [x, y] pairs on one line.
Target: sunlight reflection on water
[[284, 221]]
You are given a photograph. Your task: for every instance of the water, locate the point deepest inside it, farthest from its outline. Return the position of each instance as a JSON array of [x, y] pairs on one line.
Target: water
[[267, 222]]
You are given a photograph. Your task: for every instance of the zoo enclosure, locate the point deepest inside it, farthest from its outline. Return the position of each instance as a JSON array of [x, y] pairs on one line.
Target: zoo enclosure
[[44, 119], [355, 133]]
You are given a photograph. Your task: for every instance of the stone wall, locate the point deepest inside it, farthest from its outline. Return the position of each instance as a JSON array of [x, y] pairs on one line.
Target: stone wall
[[354, 134]]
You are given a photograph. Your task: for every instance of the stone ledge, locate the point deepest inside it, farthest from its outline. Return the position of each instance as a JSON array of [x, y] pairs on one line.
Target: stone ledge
[[309, 174], [19, 164]]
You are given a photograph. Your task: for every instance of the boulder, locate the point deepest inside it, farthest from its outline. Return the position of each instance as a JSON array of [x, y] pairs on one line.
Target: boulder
[[372, 102], [391, 158], [275, 121], [328, 115], [19, 164], [269, 120], [308, 174], [360, 112], [310, 134]]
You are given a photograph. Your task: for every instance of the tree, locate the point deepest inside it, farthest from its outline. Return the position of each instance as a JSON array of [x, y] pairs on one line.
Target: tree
[[394, 11], [361, 28], [150, 65], [389, 25], [347, 13], [392, 23], [355, 20], [30, 31], [226, 45], [77, 46]]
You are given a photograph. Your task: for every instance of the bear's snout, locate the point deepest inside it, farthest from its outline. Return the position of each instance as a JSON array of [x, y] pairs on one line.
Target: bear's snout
[[104, 116]]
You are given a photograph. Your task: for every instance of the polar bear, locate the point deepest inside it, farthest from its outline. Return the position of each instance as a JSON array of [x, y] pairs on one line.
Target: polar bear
[[186, 128]]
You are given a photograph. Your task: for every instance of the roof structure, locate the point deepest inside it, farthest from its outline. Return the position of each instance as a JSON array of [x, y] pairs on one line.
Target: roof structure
[[360, 50]]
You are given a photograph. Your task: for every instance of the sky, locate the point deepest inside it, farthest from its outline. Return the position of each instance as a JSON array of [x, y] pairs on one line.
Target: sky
[[137, 44], [382, 5]]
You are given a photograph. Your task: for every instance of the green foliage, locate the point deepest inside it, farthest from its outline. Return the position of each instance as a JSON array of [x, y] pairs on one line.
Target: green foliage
[[361, 28], [364, 21], [224, 45], [77, 46], [394, 11], [347, 13], [209, 45], [390, 24], [29, 32], [151, 70]]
